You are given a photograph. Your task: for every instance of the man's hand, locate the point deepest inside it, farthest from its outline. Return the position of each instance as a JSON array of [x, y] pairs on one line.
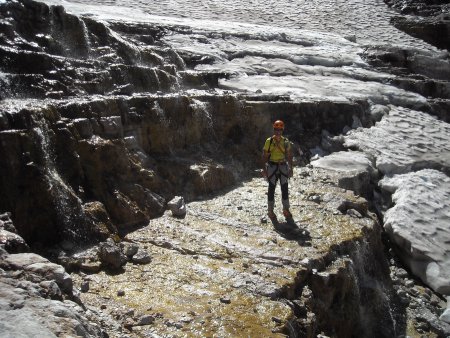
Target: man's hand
[[264, 173]]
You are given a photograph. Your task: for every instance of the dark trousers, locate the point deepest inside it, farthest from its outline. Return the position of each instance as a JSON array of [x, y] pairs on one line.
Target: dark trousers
[[278, 172]]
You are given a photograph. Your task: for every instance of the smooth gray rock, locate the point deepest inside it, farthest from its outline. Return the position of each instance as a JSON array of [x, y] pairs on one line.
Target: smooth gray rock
[[25, 313], [42, 267], [177, 206], [54, 272], [142, 257]]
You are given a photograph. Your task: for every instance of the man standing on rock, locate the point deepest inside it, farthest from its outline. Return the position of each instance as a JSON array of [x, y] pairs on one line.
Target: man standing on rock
[[277, 164]]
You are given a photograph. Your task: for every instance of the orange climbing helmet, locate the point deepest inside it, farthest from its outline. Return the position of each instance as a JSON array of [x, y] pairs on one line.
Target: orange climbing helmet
[[278, 124]]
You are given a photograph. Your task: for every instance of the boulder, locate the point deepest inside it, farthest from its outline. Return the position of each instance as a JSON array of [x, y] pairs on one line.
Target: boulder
[[12, 242], [40, 266], [111, 255], [177, 206], [26, 313]]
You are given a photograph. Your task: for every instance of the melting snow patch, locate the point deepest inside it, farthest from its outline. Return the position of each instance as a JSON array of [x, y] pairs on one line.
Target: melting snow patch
[[418, 223]]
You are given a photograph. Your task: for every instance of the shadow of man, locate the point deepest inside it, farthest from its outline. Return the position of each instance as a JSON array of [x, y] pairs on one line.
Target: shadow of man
[[291, 231]]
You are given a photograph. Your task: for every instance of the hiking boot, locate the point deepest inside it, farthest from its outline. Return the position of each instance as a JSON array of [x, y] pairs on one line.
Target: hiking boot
[[272, 216], [287, 213]]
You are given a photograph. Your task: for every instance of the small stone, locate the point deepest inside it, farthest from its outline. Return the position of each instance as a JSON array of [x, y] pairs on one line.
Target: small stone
[[315, 198], [422, 326], [146, 320], [354, 213], [142, 257], [128, 323], [225, 300], [177, 325], [186, 319], [426, 296], [409, 283], [401, 293], [91, 267], [129, 313], [130, 249], [120, 293], [277, 320], [84, 286], [414, 292], [52, 289], [245, 265], [103, 306], [402, 273]]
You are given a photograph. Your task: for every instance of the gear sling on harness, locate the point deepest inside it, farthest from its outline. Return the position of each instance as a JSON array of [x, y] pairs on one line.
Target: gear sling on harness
[[275, 171]]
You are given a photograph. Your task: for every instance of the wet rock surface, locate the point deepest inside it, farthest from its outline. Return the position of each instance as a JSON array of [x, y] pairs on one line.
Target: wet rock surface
[[231, 274]]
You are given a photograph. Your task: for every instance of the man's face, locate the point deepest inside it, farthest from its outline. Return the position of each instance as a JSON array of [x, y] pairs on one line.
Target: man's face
[[277, 131]]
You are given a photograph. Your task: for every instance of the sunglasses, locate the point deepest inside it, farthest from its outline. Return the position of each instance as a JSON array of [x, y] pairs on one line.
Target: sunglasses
[[277, 129]]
